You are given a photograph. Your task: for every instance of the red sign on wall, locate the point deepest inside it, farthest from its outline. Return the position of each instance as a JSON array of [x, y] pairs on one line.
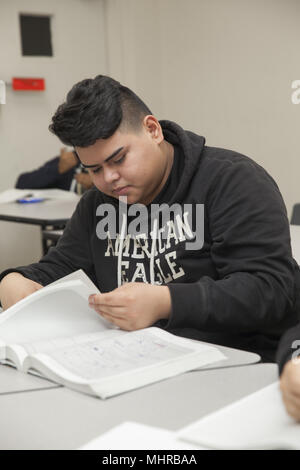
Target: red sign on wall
[[34, 84]]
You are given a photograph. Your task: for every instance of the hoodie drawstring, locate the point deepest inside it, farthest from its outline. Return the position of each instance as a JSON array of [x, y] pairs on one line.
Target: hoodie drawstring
[[153, 252], [121, 250], [152, 255]]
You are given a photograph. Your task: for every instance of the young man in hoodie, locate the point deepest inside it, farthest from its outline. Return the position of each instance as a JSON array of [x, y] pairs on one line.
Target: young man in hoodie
[[221, 270]]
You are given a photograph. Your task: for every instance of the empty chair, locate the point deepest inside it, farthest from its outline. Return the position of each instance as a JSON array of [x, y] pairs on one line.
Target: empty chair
[[50, 238]]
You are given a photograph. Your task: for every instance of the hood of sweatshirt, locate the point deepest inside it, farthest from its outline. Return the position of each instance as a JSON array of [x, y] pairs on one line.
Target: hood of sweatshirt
[[191, 146]]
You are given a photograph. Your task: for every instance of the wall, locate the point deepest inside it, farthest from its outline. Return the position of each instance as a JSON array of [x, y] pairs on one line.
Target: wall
[[134, 47], [222, 68], [78, 40]]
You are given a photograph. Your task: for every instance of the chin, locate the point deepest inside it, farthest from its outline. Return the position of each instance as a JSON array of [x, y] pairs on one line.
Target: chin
[[129, 200]]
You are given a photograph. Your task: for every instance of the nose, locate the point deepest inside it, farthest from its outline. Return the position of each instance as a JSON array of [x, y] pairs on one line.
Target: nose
[[110, 175]]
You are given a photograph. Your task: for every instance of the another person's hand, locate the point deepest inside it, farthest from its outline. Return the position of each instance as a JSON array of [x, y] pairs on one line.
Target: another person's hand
[[84, 179], [15, 287], [290, 388], [134, 305], [67, 161]]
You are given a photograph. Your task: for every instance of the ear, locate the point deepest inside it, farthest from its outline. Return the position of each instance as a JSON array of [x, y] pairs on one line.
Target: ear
[[153, 128]]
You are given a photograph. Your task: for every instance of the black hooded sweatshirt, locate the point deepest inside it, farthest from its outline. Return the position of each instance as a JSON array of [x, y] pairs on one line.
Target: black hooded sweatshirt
[[238, 288]]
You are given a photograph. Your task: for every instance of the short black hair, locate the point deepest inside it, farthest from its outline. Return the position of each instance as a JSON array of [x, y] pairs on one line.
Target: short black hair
[[94, 109]]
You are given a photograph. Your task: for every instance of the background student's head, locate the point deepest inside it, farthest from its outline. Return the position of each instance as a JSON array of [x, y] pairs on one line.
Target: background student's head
[[114, 134]]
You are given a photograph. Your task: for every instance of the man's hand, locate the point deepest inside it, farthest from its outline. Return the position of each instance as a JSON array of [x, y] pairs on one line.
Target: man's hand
[[15, 287], [84, 179], [67, 160], [290, 388], [134, 305]]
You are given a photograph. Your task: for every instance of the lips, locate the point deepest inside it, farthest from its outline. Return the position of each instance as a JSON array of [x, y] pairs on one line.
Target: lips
[[121, 190]]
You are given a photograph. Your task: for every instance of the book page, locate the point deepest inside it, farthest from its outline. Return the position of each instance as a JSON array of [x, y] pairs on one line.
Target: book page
[[77, 281], [55, 344], [78, 275], [258, 421], [119, 352], [15, 356], [135, 436], [118, 361], [58, 310], [2, 350]]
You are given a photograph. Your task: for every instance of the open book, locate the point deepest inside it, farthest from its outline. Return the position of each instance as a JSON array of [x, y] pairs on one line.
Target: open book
[[55, 333]]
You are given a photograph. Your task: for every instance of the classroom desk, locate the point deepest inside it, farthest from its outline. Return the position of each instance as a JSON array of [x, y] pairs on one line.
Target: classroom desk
[[52, 212], [235, 357], [64, 419], [295, 241], [13, 381]]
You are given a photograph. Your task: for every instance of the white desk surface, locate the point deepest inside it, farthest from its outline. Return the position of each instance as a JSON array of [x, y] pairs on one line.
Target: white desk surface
[[235, 357], [12, 381], [52, 209], [60, 418], [295, 241]]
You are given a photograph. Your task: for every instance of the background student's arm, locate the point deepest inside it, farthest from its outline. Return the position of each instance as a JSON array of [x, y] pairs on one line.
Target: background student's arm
[[56, 172], [40, 178]]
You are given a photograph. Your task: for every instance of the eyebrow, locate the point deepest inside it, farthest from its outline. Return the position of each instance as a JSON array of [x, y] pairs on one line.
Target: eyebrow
[[97, 164]]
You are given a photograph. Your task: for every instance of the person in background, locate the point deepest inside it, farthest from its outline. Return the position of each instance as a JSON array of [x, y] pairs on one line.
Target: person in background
[[61, 172], [288, 359]]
